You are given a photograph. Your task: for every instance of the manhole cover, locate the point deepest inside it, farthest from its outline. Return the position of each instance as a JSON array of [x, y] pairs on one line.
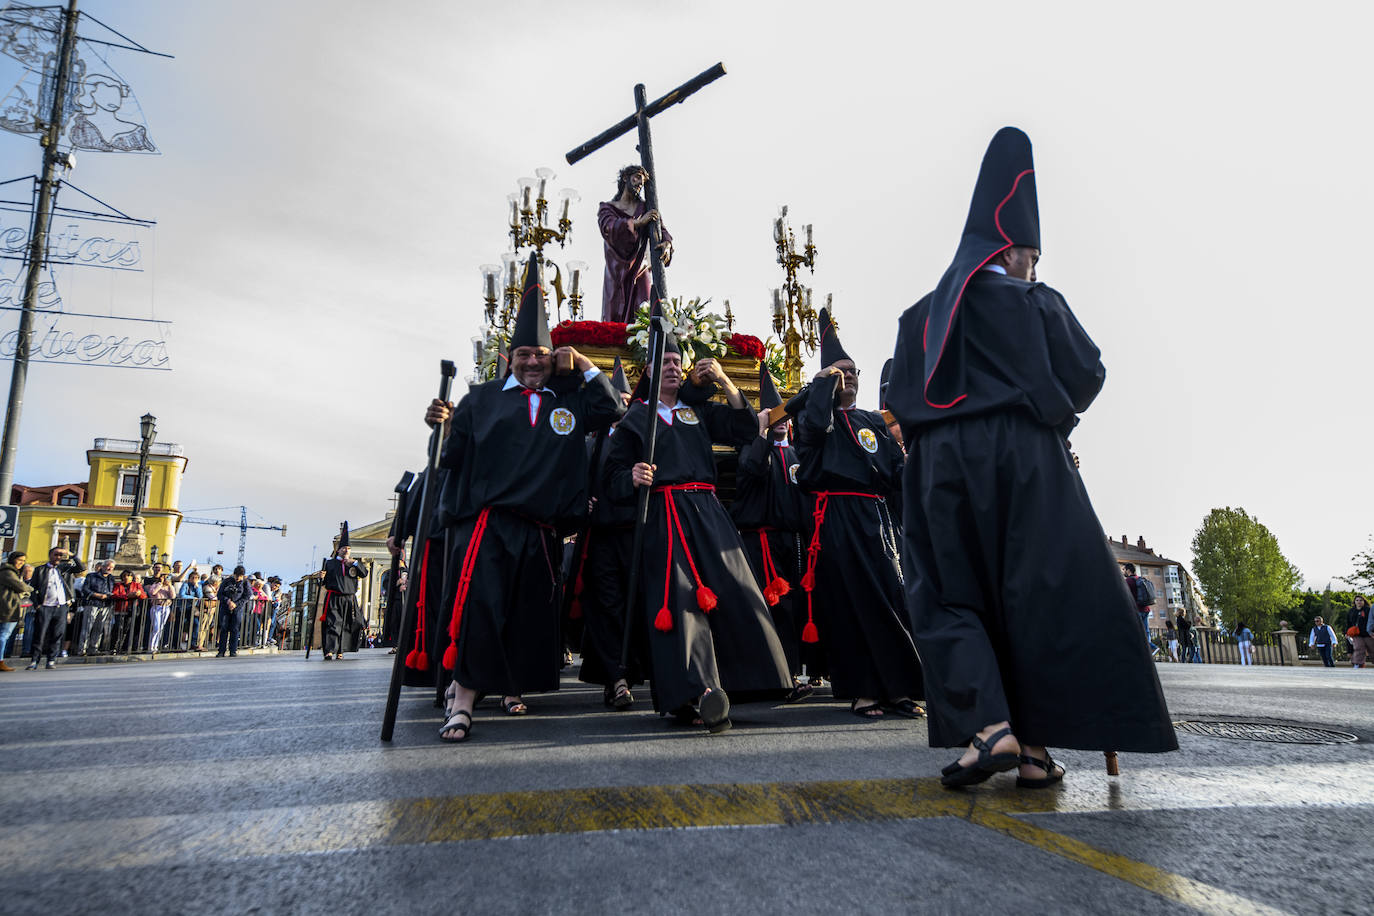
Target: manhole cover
[[1272, 732]]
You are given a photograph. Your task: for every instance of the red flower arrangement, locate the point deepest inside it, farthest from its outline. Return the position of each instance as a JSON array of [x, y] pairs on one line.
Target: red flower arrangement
[[746, 345], [590, 333]]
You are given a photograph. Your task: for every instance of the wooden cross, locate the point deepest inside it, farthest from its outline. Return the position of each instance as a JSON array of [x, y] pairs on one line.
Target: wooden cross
[[640, 119]]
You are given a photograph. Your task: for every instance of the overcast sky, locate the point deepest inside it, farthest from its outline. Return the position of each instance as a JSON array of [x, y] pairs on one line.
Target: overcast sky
[[334, 173]]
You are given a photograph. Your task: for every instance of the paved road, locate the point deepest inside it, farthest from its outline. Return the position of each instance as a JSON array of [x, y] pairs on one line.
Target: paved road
[[258, 784]]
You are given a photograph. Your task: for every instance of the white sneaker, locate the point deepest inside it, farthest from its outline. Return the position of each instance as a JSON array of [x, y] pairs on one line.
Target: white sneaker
[[64, 653]]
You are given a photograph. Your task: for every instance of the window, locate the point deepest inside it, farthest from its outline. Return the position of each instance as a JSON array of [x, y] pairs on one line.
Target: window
[[128, 483], [105, 546], [70, 540], [69, 499]]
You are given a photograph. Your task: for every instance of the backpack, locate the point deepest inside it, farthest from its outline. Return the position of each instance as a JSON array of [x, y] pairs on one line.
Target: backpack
[[1144, 592]]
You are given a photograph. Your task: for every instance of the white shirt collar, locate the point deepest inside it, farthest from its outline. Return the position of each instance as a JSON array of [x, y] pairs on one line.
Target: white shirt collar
[[512, 383], [996, 268]]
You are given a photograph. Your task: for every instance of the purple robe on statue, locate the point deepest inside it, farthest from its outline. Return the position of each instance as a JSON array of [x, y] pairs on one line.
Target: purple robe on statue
[[625, 286]]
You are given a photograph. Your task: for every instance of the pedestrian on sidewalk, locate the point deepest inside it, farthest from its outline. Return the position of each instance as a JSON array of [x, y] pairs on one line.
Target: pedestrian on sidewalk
[[1244, 639], [1324, 638], [53, 595], [97, 596], [12, 591], [188, 612], [234, 595], [128, 594], [1358, 624], [160, 593], [1171, 635], [1144, 595]]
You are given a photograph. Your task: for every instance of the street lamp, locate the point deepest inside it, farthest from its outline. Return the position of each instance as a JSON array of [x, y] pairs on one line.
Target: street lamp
[[147, 427]]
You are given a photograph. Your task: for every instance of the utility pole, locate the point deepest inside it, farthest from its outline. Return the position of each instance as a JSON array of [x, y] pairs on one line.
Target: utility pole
[[38, 251]]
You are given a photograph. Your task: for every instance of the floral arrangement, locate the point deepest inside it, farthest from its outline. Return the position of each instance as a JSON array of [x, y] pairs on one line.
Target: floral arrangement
[[774, 358], [746, 345], [589, 333], [698, 332], [492, 346]]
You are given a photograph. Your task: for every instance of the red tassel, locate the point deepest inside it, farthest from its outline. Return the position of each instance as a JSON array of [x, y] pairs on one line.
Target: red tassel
[[664, 621], [780, 587], [575, 610], [810, 634], [770, 596], [706, 599], [413, 658], [321, 618], [422, 660], [809, 580], [451, 657]]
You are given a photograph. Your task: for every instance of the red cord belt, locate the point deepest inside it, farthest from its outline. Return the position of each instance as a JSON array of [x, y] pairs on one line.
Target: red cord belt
[[813, 553], [706, 599]]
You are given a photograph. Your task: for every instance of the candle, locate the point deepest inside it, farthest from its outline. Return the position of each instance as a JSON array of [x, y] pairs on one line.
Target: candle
[[576, 278], [777, 303], [777, 230], [525, 197], [567, 202], [808, 235], [513, 279], [728, 313], [828, 307], [491, 284], [542, 183], [514, 210], [808, 298]]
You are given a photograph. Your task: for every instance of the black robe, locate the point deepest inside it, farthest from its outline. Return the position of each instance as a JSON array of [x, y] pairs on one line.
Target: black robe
[[772, 515], [599, 585], [733, 646], [514, 487], [343, 622], [849, 465], [422, 643], [1019, 610]]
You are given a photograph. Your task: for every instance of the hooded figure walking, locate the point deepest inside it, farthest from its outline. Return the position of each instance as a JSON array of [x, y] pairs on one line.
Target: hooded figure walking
[[1001, 543], [342, 620]]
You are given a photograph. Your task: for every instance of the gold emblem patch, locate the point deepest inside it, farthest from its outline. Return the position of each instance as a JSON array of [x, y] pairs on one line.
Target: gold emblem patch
[[792, 472], [688, 415], [562, 420], [868, 440]]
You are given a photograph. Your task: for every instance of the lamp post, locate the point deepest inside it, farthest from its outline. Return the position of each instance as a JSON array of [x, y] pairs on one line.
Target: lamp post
[[131, 550]]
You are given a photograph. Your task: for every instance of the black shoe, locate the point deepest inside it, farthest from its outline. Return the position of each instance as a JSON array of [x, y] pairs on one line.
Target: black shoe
[[49, 666], [219, 655], [33, 667], [233, 655]]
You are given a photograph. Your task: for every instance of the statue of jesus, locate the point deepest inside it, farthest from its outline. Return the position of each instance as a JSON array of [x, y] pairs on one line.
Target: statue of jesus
[[624, 224]]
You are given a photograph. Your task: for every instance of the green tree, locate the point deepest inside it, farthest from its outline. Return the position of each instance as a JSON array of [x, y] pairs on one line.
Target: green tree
[[1242, 571], [1363, 576]]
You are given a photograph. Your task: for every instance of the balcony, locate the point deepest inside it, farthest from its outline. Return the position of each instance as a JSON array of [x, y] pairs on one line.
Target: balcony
[[131, 446]]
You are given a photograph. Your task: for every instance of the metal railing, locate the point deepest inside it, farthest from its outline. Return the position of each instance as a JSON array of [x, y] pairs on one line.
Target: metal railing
[[1215, 647]]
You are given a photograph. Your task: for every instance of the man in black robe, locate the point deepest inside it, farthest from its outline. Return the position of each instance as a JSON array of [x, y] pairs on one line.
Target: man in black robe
[[708, 628], [599, 582], [342, 619], [1002, 545], [850, 465], [771, 514], [516, 483]]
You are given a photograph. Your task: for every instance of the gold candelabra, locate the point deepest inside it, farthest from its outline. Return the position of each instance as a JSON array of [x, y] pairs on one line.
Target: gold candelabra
[[530, 232], [794, 317]]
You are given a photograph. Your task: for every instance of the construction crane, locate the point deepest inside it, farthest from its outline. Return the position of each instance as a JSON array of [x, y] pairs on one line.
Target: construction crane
[[242, 525]]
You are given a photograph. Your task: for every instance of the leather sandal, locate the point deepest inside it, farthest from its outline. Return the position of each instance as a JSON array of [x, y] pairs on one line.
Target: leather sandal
[[514, 706], [1053, 772], [956, 775], [459, 721]]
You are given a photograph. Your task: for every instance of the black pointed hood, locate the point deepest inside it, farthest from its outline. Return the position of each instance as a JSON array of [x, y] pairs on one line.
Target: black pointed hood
[[343, 537], [531, 321], [768, 392], [832, 351], [1004, 213], [618, 380]]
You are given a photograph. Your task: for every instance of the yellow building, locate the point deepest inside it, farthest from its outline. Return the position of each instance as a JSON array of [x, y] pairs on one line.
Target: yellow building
[[89, 518]]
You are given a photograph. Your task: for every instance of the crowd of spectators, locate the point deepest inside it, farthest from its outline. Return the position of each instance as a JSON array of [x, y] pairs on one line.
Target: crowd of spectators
[[174, 608]]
